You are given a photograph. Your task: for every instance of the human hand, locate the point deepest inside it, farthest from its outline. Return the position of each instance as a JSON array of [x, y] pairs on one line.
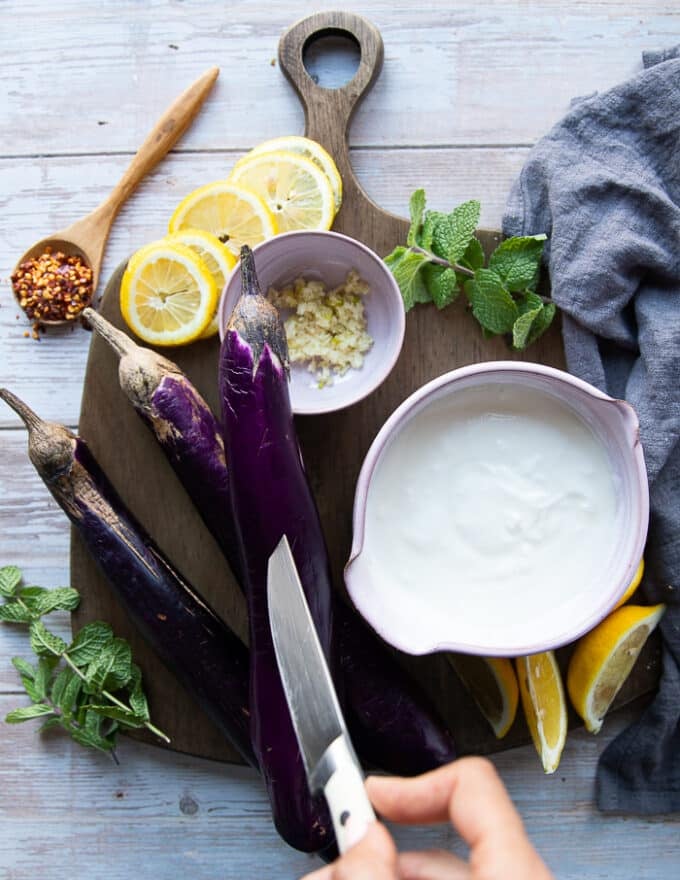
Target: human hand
[[469, 794]]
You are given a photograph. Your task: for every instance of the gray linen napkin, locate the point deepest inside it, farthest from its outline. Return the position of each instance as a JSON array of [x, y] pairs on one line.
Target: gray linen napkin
[[604, 184]]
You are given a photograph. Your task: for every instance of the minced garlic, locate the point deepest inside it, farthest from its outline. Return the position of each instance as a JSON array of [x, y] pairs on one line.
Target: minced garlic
[[327, 328]]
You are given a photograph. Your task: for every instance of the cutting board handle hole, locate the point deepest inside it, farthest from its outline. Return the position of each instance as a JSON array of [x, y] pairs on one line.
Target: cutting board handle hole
[[331, 57]]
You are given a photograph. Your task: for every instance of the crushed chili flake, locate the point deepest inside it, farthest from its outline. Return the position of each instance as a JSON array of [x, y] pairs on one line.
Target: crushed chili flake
[[52, 287]]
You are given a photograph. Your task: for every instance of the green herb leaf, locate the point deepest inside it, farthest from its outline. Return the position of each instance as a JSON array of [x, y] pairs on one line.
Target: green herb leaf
[[43, 675], [111, 670], [442, 283], [92, 740], [25, 669], [89, 643], [522, 327], [138, 700], [13, 612], [16, 716], [55, 721], [452, 235], [405, 265], [126, 717], [45, 642], [10, 578], [542, 322], [65, 696], [528, 302], [473, 257], [491, 303], [416, 207], [42, 601], [517, 261], [432, 219]]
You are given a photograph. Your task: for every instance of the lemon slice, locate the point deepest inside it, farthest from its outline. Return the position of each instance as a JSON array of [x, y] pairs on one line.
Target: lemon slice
[[167, 295], [633, 585], [545, 709], [493, 685], [308, 148], [216, 256], [603, 659], [235, 215], [296, 191]]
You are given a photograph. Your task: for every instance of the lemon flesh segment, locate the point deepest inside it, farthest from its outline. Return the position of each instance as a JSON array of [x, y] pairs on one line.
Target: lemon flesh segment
[[167, 295], [309, 149], [234, 215], [604, 658], [296, 191], [545, 709], [492, 683], [216, 256], [633, 585]]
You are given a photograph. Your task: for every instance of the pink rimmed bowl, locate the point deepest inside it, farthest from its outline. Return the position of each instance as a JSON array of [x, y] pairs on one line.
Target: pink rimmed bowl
[[416, 623]]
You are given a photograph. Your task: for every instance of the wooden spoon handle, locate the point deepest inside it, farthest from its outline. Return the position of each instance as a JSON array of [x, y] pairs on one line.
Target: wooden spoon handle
[[328, 112]]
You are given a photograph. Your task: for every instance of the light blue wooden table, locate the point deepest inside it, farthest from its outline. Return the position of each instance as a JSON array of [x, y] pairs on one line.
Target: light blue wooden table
[[466, 89]]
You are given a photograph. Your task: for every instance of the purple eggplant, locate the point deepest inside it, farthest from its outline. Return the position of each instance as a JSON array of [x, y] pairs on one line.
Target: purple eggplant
[[204, 654], [184, 426], [271, 497]]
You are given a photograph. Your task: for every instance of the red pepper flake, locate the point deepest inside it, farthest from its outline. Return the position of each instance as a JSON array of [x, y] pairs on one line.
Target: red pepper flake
[[52, 287]]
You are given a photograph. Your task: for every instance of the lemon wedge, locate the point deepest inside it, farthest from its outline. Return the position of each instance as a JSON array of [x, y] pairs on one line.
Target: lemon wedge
[[603, 659], [236, 216], [545, 709], [308, 148], [633, 585], [295, 189], [216, 256], [167, 294], [493, 686]]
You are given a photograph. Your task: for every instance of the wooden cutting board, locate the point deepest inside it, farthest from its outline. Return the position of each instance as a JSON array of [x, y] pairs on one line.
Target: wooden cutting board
[[333, 445]]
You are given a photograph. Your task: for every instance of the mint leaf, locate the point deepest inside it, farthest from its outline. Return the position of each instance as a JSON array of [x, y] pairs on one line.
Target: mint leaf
[[442, 283], [491, 303], [10, 578], [416, 208], [432, 219], [522, 327], [528, 302], [55, 721], [452, 235], [90, 739], [44, 675], [542, 322], [89, 643], [126, 717], [42, 601], [65, 696], [16, 716], [45, 642], [111, 670], [13, 612], [137, 696], [517, 261], [405, 265], [473, 257], [24, 668]]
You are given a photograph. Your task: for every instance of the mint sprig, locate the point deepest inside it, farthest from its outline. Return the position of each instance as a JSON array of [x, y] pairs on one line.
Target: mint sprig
[[90, 688], [442, 256]]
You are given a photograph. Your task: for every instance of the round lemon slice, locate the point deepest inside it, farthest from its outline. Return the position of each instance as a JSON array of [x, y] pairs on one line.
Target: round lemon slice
[[545, 709], [633, 585], [167, 294], [234, 215], [296, 191], [308, 148], [216, 256], [492, 684], [603, 659]]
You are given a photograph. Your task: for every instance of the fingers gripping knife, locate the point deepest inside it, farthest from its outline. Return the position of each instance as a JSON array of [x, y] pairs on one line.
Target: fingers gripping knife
[[327, 753]]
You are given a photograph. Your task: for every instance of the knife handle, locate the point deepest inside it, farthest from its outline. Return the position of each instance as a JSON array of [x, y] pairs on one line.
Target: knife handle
[[345, 793]]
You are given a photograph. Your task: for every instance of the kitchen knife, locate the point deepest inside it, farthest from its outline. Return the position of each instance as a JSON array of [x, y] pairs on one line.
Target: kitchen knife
[[329, 759]]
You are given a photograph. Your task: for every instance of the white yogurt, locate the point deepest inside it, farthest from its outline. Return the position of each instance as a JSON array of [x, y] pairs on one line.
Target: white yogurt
[[497, 500]]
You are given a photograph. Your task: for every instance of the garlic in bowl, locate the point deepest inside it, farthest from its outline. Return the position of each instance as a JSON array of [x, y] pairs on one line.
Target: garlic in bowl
[[501, 510], [324, 283]]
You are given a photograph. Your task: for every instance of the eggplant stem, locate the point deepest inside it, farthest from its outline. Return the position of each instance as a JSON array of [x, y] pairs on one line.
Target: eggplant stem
[[119, 341], [249, 281], [25, 413]]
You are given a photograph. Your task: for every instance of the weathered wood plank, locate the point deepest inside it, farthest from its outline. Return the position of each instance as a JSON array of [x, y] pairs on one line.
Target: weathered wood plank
[[181, 814], [100, 58], [42, 195]]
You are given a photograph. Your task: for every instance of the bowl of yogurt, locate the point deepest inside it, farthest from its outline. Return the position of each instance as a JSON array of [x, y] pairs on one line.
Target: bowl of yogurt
[[501, 510]]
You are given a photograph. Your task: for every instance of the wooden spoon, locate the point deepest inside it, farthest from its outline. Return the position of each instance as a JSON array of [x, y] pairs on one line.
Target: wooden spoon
[[87, 237]]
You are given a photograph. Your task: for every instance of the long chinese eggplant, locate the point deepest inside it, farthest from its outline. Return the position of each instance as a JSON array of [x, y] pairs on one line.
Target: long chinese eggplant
[[271, 497], [183, 424], [195, 644]]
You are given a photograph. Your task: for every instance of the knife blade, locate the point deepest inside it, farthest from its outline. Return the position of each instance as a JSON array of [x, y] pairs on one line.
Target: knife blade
[[327, 753]]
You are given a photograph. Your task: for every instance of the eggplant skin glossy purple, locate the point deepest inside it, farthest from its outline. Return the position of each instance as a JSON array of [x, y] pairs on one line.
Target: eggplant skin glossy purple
[[205, 655], [271, 497]]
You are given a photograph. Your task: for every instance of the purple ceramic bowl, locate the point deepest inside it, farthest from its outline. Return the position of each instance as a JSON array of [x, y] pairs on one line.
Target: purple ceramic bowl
[[329, 256], [432, 628]]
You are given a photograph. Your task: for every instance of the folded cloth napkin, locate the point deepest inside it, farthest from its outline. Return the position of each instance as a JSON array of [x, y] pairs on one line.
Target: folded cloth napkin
[[604, 185]]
